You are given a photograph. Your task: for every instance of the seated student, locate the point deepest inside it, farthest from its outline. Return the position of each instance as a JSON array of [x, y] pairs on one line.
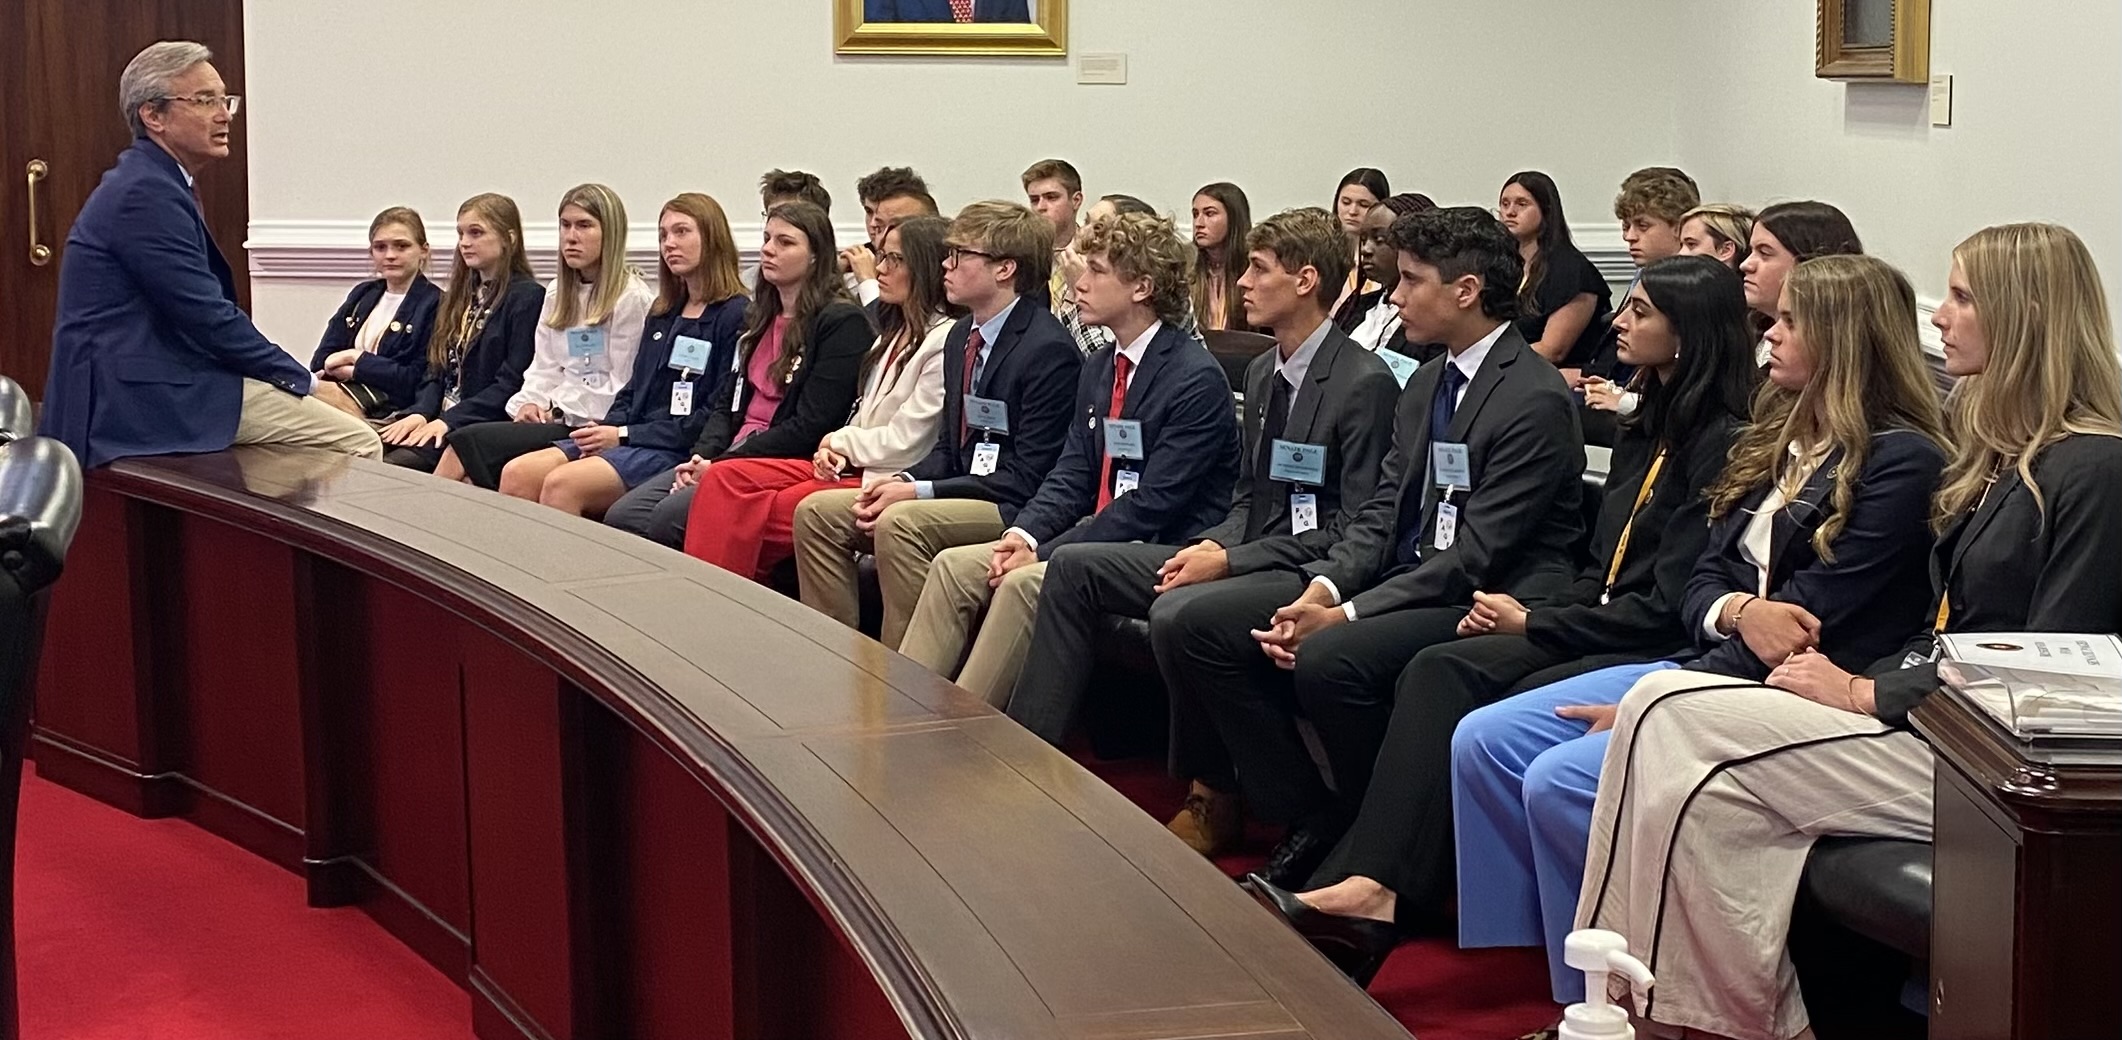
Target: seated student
[[1153, 458], [1313, 441], [1054, 190], [1007, 351], [1563, 305], [1649, 207], [374, 352], [777, 187], [1683, 328], [687, 346], [744, 510], [150, 354], [799, 366], [1222, 219], [2026, 542], [1480, 491], [890, 194], [1819, 542], [1068, 265], [1360, 191], [1784, 236], [1720, 230], [1371, 318], [588, 334], [484, 328]]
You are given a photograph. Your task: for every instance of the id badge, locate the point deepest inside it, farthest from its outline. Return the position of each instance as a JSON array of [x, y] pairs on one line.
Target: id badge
[[1125, 481], [689, 353], [1303, 513], [1296, 463], [1402, 367], [1123, 438], [1451, 466], [986, 456], [986, 413], [1447, 525], [585, 341], [681, 398]]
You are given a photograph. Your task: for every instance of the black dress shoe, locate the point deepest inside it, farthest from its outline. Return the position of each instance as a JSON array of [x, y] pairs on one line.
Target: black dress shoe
[[1356, 945], [1299, 855]]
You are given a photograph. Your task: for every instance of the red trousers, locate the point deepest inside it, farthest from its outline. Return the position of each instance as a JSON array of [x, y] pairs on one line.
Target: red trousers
[[743, 517]]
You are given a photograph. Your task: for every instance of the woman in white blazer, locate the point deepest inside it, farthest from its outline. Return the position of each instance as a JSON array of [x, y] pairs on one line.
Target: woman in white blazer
[[743, 513]]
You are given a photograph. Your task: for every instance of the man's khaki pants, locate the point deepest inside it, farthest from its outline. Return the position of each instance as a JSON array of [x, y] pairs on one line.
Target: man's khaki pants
[[274, 416], [908, 536], [949, 612]]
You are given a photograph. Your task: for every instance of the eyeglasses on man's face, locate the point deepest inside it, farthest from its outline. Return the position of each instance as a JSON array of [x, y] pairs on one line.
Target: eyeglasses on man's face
[[232, 102], [957, 254]]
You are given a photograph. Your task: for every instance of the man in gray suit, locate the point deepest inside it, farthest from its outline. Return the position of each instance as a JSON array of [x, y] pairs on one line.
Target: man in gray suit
[[1480, 493], [1317, 426]]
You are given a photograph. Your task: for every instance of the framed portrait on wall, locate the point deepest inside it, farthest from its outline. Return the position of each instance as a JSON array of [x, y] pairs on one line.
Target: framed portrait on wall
[[1036, 28], [1884, 41]]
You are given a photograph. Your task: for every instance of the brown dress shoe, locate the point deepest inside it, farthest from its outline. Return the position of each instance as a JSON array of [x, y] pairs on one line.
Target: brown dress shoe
[[1211, 823]]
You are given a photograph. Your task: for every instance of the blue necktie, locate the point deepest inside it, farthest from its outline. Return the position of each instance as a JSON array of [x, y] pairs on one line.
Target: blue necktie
[[1415, 495]]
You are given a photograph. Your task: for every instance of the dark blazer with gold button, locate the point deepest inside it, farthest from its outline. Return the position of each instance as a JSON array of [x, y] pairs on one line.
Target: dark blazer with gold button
[[399, 363]]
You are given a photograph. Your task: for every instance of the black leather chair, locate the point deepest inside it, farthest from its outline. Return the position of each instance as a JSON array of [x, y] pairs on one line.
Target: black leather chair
[[18, 417], [1236, 350], [40, 508], [1860, 937]]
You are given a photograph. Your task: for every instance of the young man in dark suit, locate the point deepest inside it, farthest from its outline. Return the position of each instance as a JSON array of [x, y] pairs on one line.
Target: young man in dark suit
[[1480, 492], [1019, 368], [1152, 454], [1318, 422]]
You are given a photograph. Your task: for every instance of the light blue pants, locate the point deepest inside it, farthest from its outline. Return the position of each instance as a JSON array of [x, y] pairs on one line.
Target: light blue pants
[[1523, 783]]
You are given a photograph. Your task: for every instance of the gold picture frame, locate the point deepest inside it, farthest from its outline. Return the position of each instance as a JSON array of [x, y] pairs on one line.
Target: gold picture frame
[[1044, 33], [1873, 40]]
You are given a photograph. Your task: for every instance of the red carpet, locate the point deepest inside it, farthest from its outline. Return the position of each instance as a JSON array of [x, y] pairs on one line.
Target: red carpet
[[132, 929]]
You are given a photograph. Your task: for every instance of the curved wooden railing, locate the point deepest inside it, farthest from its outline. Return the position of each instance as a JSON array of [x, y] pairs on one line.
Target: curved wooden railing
[[614, 791]]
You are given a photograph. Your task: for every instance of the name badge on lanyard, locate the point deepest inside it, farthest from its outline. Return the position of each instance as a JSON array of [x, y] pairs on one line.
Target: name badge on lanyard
[[986, 414], [1124, 481], [585, 341], [1303, 513], [681, 396], [1450, 465], [1123, 438], [690, 353], [1402, 366], [1447, 525], [986, 456], [1296, 463]]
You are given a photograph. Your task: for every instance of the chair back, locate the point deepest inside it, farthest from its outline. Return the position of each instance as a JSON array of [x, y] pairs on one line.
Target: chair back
[[1236, 350]]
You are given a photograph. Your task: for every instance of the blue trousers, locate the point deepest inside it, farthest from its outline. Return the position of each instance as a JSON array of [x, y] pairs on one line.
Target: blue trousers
[[1523, 783]]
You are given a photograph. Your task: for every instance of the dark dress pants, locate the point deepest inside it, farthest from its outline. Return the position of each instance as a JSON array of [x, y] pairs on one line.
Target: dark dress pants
[[1083, 582], [653, 511], [1345, 681]]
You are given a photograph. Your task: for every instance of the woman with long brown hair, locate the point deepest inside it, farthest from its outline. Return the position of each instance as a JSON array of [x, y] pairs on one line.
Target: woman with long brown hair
[[1222, 219]]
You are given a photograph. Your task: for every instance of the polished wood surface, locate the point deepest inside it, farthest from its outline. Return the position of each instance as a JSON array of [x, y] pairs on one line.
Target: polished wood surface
[[2026, 930], [619, 792]]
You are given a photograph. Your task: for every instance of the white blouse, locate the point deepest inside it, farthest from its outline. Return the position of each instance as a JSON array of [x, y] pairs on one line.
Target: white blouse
[[1757, 542], [895, 422], [581, 388], [378, 322]]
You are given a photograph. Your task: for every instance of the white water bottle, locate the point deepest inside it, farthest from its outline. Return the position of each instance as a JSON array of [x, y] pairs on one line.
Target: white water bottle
[[1599, 953]]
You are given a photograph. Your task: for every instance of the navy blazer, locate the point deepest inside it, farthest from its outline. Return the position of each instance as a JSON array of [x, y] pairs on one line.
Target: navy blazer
[[149, 351], [492, 370], [819, 398], [1869, 599], [1032, 369], [399, 363], [1189, 435], [643, 404], [939, 11]]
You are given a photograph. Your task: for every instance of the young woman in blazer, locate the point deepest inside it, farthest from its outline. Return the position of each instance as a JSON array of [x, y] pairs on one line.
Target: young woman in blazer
[[1683, 330], [1819, 541], [2026, 542], [374, 352], [1222, 219], [744, 510], [688, 344], [583, 355], [1783, 236], [799, 368], [1361, 190], [1564, 303], [482, 338]]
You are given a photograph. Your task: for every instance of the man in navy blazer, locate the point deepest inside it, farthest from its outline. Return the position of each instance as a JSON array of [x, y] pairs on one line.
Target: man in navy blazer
[[1152, 455], [940, 11], [150, 354]]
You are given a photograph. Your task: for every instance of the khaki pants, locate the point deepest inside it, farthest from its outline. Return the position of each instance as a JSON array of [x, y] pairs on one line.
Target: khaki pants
[[274, 416], [908, 536], [949, 610]]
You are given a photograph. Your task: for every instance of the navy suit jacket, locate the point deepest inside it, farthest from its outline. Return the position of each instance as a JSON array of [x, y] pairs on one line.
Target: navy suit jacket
[[939, 11], [399, 362], [1869, 598], [1190, 438], [150, 351], [1032, 369], [492, 369], [643, 405]]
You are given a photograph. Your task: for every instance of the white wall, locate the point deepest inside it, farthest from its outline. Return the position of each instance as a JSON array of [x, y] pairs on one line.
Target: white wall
[[2036, 134], [655, 97]]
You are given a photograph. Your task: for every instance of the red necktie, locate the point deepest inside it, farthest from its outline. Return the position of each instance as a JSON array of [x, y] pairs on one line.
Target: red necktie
[[1121, 365], [961, 10], [972, 361]]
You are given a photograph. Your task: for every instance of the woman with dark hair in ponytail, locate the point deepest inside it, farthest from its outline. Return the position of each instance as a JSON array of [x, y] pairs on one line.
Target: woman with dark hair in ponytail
[[1369, 317], [1564, 302]]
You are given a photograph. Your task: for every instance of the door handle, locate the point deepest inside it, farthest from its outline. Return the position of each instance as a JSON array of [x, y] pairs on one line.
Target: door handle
[[39, 253]]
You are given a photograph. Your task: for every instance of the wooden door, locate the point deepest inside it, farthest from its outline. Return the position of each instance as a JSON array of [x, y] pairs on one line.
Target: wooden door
[[59, 66]]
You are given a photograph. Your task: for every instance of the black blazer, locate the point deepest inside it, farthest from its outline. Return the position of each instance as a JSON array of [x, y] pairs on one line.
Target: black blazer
[[1355, 307], [399, 363], [2008, 567], [1346, 405], [820, 396], [492, 370], [1519, 524], [1189, 435], [643, 404], [1032, 369], [1869, 599], [1643, 614]]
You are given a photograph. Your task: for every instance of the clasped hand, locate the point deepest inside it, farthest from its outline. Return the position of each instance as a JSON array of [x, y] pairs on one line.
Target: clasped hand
[[1203, 561], [1312, 613], [874, 499], [1774, 630], [1010, 553], [1493, 614], [595, 438]]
